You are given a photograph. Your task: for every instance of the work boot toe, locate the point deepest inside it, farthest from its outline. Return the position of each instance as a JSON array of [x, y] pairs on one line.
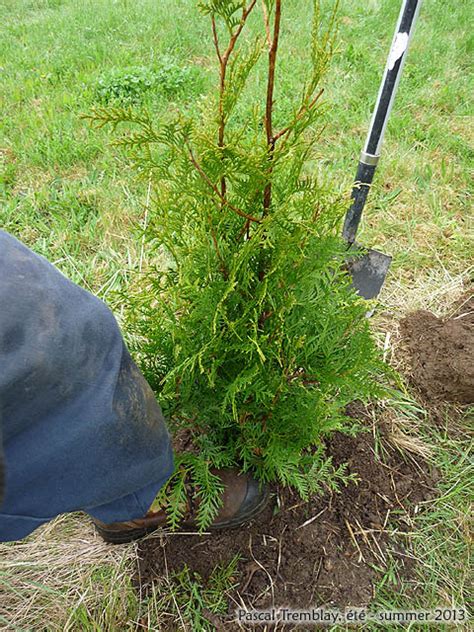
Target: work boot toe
[[243, 499]]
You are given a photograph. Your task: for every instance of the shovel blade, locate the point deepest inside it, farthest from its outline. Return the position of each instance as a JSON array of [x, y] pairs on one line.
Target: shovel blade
[[368, 272]]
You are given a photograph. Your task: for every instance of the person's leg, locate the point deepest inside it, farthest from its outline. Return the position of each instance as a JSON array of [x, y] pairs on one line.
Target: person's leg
[[81, 427]]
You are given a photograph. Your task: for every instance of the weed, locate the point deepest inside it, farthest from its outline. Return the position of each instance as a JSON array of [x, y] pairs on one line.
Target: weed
[[128, 86]]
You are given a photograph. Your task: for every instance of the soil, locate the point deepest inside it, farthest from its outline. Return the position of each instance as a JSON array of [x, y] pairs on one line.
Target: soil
[[440, 353], [305, 553], [326, 552]]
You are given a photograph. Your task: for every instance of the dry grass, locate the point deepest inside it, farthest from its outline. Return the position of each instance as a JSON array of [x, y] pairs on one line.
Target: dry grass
[[64, 574], [435, 290]]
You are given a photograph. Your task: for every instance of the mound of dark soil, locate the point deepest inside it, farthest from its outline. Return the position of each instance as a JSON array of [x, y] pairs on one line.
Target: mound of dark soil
[[320, 552], [441, 353]]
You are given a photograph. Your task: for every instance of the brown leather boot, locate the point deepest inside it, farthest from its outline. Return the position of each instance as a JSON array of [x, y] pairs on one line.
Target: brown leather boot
[[243, 498]]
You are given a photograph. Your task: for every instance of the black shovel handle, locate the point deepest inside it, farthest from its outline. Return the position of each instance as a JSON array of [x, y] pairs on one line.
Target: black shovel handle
[[388, 88]]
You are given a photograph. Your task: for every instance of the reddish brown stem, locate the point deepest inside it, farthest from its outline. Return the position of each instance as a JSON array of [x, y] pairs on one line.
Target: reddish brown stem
[[272, 55], [216, 39], [244, 231], [271, 72], [307, 379], [224, 59], [263, 317]]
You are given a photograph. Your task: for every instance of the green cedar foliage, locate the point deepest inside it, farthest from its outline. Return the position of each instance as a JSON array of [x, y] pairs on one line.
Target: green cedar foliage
[[251, 335]]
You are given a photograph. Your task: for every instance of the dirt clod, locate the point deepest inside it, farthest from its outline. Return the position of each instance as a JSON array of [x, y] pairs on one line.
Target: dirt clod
[[441, 353]]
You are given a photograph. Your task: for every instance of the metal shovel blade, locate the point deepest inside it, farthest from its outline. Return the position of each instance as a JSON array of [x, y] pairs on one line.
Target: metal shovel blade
[[368, 271]]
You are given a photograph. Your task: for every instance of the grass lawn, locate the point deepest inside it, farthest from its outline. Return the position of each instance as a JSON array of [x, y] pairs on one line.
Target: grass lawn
[[74, 198]]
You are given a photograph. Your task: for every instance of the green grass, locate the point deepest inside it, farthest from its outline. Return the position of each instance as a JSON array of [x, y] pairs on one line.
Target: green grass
[[439, 536], [71, 196], [182, 599]]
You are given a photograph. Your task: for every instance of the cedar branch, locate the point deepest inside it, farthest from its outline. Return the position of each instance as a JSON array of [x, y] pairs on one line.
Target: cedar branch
[[225, 202], [224, 270], [302, 111]]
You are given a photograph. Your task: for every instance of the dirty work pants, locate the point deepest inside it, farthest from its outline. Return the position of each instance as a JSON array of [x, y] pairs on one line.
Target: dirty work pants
[[80, 428]]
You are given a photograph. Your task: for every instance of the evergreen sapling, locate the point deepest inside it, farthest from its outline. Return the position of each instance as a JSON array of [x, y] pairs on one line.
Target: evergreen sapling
[[251, 334]]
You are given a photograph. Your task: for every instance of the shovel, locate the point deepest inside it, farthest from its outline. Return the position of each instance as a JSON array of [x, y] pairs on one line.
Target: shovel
[[368, 267]]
